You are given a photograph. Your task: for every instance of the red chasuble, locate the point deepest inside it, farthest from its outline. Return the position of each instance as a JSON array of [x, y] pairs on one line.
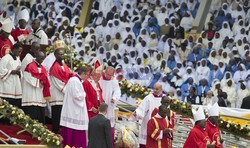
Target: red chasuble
[[92, 97], [171, 124], [5, 46], [172, 117], [62, 74], [15, 33], [154, 127], [197, 138], [32, 68], [214, 133]]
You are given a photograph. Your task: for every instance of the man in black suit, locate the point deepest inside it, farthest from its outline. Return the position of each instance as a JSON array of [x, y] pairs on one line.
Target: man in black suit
[[99, 132], [177, 31], [246, 103]]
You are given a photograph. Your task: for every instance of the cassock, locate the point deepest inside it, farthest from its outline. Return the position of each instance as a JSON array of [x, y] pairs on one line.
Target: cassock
[[39, 36], [197, 138], [144, 111], [20, 34], [35, 90], [155, 136], [74, 116], [5, 46], [59, 76], [213, 133], [10, 84], [93, 95]]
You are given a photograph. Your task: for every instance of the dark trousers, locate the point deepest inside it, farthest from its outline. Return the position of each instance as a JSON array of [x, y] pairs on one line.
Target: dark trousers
[[56, 115], [35, 112], [14, 102]]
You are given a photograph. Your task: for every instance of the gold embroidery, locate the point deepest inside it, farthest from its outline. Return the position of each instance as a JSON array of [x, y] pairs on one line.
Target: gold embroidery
[[157, 128]]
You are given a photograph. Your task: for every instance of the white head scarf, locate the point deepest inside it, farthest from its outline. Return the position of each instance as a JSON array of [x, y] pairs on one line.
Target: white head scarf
[[225, 31]]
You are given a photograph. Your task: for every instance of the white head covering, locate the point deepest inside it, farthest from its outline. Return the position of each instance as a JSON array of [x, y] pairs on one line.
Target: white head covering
[[23, 14], [199, 114], [7, 25], [213, 110]]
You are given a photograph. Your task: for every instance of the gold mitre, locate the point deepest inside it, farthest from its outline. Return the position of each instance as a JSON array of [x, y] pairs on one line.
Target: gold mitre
[[59, 44]]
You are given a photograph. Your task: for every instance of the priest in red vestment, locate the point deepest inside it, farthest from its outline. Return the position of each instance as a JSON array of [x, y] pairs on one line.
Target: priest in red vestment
[[158, 130], [212, 127], [20, 33], [170, 114], [59, 74], [198, 137], [93, 90], [5, 42]]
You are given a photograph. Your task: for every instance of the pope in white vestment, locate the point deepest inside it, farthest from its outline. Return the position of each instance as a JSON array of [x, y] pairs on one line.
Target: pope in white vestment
[[145, 109], [74, 116]]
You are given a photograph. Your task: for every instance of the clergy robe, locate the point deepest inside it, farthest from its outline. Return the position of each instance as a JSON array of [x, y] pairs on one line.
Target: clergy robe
[[93, 95], [35, 75], [144, 112], [10, 84], [5, 46], [171, 120], [39, 36], [35, 90], [155, 136], [17, 33], [197, 138], [213, 132], [110, 90], [59, 76], [74, 116]]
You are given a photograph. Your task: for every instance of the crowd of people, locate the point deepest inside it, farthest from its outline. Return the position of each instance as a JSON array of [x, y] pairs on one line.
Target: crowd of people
[[146, 41], [143, 42]]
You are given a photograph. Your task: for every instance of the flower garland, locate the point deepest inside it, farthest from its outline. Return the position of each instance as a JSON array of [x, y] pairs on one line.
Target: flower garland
[[36, 129], [139, 92]]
